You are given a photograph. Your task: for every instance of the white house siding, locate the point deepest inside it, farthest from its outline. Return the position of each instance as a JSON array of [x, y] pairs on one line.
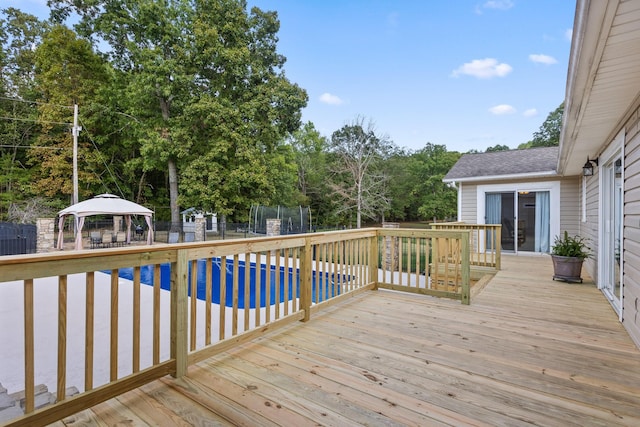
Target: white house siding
[[589, 227], [570, 190], [469, 203], [570, 199], [570, 205], [631, 230]]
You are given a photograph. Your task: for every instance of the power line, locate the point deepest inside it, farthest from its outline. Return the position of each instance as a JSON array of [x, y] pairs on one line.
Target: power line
[[33, 146], [115, 181], [104, 107], [35, 102], [34, 120], [69, 106]]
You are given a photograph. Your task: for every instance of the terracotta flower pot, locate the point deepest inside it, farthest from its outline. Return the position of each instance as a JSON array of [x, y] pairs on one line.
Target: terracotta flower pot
[[568, 269]]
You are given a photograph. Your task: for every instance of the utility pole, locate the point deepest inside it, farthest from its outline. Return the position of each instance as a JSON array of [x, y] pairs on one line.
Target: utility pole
[[75, 131]]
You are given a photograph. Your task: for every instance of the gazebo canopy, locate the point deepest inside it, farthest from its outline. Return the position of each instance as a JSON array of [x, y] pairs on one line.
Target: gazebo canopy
[[104, 204], [107, 204]]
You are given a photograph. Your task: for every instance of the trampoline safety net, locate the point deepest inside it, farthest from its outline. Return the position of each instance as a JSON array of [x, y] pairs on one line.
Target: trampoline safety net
[[292, 220]]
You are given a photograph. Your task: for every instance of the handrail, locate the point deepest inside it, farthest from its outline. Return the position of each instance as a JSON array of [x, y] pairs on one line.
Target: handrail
[[486, 249], [296, 276], [429, 262]]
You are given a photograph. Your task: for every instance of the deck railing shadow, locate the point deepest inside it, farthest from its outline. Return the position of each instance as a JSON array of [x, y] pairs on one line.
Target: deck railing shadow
[[170, 306]]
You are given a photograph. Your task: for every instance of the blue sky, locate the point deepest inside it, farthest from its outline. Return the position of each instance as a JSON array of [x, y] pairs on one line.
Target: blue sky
[[466, 74]]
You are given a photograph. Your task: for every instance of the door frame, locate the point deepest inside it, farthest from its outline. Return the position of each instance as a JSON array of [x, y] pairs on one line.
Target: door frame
[[606, 198], [553, 187]]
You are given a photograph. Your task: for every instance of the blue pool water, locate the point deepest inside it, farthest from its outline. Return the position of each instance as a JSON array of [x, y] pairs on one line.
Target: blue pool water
[[328, 283]]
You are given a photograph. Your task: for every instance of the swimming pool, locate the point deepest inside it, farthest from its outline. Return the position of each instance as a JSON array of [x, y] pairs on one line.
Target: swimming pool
[[327, 283]]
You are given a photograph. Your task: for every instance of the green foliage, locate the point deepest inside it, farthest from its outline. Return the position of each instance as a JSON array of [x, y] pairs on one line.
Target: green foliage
[[418, 190], [205, 81], [309, 151], [15, 178], [402, 168], [19, 33], [549, 133], [190, 107], [68, 72], [282, 170], [497, 147], [570, 246]]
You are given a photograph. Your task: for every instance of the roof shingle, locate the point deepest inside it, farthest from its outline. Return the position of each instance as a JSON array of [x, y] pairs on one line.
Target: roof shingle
[[501, 163]]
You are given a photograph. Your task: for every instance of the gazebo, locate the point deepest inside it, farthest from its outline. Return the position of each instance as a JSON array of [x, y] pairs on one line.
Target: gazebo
[[103, 204]]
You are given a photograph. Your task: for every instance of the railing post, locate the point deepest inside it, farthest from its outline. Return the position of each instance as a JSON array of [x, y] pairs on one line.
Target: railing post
[[391, 250], [466, 268], [373, 260], [305, 279], [29, 348], [498, 244], [179, 315]]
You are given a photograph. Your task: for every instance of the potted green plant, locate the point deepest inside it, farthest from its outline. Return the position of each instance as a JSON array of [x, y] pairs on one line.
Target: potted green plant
[[568, 254]]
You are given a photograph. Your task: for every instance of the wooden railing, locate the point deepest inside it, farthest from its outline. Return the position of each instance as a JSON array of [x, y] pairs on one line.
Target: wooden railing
[[485, 242], [154, 327], [431, 263]]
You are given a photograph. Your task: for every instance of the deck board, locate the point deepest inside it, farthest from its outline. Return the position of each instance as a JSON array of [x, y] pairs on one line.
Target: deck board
[[528, 350]]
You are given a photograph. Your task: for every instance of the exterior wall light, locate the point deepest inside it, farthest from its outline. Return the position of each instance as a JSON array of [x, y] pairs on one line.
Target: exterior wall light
[[587, 169]]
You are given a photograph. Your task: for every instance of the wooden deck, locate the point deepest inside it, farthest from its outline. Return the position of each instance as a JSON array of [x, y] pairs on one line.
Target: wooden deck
[[528, 350]]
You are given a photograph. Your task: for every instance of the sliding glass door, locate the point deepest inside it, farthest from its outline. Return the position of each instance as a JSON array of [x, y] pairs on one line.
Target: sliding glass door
[[525, 219]]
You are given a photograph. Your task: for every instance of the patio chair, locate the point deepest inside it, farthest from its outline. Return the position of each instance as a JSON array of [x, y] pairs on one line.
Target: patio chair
[[508, 236], [139, 232], [107, 240], [95, 239], [121, 238]]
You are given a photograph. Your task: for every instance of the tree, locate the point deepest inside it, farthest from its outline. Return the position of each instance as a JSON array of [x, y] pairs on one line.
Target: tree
[[206, 83], [497, 147], [19, 33], [245, 111], [435, 199], [358, 177], [309, 150], [549, 133], [416, 188], [284, 178], [68, 72], [150, 43]]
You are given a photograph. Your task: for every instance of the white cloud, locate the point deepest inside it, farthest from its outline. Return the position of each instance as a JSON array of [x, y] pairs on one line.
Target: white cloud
[[542, 59], [328, 98], [498, 4], [531, 112], [502, 109], [483, 68]]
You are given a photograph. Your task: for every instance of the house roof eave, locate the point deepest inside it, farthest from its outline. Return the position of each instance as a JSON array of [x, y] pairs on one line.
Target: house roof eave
[[531, 175], [602, 81]]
